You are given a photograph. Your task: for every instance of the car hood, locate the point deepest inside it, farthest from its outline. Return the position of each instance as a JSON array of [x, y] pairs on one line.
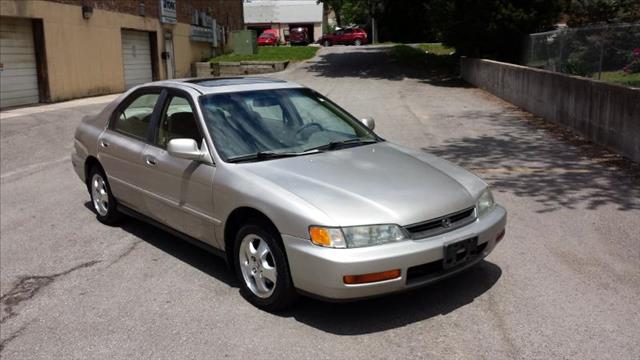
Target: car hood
[[373, 184]]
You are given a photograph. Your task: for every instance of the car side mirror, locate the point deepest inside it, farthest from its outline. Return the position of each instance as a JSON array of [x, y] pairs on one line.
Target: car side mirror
[[185, 149], [369, 122]]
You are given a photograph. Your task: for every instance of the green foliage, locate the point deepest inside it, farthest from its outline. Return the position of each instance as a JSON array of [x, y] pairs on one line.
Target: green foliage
[[634, 66], [352, 11], [589, 50], [575, 67], [437, 49], [493, 28], [278, 53], [329, 29], [587, 12], [355, 12], [621, 78], [438, 59]]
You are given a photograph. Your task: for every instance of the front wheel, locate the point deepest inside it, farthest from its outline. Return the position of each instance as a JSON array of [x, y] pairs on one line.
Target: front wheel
[[358, 42], [103, 201], [262, 268], [326, 43]]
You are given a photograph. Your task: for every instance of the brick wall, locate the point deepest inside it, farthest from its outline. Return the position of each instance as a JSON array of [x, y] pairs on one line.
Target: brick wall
[[228, 13]]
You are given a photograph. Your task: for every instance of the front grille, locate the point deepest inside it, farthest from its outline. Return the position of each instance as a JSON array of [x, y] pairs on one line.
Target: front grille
[[442, 224], [435, 269]]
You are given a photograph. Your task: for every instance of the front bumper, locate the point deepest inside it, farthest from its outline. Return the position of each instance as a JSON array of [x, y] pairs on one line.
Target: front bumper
[[319, 271]]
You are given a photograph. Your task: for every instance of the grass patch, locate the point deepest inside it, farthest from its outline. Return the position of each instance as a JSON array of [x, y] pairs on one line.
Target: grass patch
[[277, 53], [436, 49], [438, 59], [620, 78]]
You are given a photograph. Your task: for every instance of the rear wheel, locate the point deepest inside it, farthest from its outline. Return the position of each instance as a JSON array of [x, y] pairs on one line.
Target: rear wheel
[[103, 201], [261, 267], [358, 42], [326, 43]]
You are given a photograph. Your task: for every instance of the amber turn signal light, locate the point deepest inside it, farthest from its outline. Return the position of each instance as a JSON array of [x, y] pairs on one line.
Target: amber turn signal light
[[320, 236], [373, 277]]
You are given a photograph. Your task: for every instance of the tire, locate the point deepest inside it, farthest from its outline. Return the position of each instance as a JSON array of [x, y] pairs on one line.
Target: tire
[[102, 199], [358, 42], [256, 273], [326, 43]]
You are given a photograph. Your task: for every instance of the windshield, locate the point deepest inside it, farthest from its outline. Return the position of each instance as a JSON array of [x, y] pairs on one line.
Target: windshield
[[290, 121]]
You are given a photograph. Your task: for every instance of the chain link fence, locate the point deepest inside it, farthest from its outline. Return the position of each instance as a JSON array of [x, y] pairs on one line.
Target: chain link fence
[[606, 52]]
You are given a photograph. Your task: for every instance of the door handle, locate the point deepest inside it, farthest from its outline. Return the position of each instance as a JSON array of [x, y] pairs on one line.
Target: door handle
[[104, 144], [151, 161]]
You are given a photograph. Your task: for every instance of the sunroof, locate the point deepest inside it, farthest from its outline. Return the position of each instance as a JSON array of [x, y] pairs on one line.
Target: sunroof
[[233, 81]]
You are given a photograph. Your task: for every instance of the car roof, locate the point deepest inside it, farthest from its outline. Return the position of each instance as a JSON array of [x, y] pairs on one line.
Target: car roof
[[228, 84]]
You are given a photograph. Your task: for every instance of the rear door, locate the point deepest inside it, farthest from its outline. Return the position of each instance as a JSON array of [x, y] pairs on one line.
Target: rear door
[[120, 146], [179, 191]]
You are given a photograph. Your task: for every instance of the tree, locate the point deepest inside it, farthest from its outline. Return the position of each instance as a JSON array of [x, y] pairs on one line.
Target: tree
[[336, 6], [588, 12], [361, 12], [492, 28]]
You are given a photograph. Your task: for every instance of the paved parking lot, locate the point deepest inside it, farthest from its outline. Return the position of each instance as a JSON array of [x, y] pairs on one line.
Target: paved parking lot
[[564, 283]]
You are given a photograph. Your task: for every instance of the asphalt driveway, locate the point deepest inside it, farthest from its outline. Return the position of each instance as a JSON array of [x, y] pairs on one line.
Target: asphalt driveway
[[564, 283]]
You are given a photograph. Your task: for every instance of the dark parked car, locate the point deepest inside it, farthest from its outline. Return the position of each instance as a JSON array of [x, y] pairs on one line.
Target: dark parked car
[[355, 36], [299, 36]]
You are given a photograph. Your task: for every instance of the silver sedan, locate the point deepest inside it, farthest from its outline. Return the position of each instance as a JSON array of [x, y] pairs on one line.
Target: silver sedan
[[292, 191]]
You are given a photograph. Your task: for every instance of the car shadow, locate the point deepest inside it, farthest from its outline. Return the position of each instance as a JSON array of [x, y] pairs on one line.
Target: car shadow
[[397, 310], [202, 260], [346, 318]]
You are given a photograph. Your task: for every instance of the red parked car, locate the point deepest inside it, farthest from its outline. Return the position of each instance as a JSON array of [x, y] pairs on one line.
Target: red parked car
[[355, 36], [267, 39], [298, 36]]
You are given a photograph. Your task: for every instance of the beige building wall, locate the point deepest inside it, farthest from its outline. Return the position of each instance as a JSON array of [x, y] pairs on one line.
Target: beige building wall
[[187, 51], [317, 31], [84, 56]]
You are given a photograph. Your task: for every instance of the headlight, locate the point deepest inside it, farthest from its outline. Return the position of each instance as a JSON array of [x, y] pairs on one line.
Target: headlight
[[356, 236], [485, 203]]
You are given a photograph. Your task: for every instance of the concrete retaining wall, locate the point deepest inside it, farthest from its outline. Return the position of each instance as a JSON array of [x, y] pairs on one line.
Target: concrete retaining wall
[[248, 67], [607, 114], [201, 69]]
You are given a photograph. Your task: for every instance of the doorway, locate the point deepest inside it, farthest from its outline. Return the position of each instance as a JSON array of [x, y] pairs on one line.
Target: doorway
[[168, 55]]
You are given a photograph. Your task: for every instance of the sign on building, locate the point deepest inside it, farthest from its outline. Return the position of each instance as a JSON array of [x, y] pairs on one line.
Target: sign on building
[[168, 11]]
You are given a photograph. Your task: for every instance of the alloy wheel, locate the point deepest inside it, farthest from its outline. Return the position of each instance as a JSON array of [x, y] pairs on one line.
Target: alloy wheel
[[99, 195], [258, 266]]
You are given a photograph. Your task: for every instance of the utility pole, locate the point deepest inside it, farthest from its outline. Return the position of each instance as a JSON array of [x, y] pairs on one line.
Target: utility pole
[[374, 31]]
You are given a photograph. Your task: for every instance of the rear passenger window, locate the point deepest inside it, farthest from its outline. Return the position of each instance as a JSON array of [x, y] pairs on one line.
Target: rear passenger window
[[134, 119]]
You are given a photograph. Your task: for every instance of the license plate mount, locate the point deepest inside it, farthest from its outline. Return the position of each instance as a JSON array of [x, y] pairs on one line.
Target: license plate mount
[[459, 252]]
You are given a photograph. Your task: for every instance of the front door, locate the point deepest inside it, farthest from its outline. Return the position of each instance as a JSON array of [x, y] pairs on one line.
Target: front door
[[180, 191]]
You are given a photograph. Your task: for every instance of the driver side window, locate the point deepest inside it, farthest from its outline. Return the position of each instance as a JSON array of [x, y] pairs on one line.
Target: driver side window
[[311, 111], [135, 118], [177, 122]]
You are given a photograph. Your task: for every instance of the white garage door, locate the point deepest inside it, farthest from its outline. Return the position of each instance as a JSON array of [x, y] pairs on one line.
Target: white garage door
[[18, 74], [136, 56]]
